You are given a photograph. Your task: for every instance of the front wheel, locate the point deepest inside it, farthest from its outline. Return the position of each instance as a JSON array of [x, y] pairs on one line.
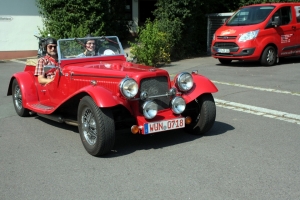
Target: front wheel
[[18, 100], [203, 113], [269, 56], [96, 127]]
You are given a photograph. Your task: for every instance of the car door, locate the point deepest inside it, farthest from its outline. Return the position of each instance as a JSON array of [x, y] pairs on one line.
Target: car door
[[42, 93], [297, 26], [48, 92], [286, 32]]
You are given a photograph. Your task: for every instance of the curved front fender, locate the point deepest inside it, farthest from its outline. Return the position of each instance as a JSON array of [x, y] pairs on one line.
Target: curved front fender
[[105, 98], [201, 85], [27, 85]]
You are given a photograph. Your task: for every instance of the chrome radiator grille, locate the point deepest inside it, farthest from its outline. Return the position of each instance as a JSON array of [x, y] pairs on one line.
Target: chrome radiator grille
[[156, 86]]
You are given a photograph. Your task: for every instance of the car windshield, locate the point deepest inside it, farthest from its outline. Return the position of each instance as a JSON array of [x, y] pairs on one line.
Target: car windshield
[[250, 15], [86, 47]]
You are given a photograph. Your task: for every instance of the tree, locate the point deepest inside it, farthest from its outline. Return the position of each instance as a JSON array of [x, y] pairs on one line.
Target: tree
[[77, 18], [186, 21]]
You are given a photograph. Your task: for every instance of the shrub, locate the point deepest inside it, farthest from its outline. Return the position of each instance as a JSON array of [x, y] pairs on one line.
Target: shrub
[[152, 46]]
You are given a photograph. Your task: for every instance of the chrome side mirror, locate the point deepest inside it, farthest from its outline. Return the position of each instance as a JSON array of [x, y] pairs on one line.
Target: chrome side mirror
[[47, 68]]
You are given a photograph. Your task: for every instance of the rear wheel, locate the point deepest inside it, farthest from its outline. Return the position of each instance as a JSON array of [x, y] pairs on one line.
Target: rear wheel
[[203, 113], [224, 61], [18, 100], [269, 56], [96, 127]]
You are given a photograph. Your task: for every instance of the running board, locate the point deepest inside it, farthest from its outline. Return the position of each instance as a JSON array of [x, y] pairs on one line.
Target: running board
[[59, 119]]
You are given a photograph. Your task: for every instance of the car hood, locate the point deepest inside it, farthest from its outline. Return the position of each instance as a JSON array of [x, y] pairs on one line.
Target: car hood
[[234, 30], [113, 68]]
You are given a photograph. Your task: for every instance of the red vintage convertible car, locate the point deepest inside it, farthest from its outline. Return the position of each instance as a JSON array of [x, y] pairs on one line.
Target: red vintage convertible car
[[103, 93]]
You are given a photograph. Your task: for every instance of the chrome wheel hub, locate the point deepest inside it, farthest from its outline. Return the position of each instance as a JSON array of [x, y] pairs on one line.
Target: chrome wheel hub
[[18, 98], [271, 56], [89, 126]]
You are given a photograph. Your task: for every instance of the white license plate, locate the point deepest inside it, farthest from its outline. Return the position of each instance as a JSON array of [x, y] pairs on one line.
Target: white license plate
[[165, 125], [223, 50]]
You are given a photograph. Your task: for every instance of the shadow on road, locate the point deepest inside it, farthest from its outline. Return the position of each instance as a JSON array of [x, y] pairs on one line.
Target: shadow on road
[[288, 60], [127, 143], [57, 124], [219, 128]]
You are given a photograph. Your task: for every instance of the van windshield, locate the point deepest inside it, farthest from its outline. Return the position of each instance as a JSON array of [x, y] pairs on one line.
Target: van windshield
[[250, 15]]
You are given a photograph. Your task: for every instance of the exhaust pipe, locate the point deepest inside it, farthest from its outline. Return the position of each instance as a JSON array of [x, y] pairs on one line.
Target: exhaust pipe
[[59, 119]]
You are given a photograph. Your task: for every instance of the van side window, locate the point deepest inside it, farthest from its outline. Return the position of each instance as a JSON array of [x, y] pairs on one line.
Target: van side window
[[297, 9], [285, 15]]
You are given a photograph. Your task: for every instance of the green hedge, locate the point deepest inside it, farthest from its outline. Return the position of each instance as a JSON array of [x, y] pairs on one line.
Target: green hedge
[[153, 45], [77, 18]]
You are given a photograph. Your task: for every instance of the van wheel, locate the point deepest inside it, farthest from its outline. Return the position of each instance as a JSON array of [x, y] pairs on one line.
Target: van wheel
[[224, 61], [269, 56]]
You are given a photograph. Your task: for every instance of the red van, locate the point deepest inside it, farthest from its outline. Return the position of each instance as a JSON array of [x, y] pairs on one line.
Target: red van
[[260, 32]]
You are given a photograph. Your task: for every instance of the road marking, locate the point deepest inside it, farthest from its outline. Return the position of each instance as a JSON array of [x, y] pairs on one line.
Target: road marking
[[258, 88], [274, 114]]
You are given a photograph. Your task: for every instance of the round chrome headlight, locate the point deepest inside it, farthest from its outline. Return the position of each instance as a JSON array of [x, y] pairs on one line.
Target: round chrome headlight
[[128, 87], [178, 105], [149, 109], [184, 81]]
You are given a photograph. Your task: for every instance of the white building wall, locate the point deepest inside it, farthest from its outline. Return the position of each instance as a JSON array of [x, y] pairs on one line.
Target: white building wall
[[19, 21]]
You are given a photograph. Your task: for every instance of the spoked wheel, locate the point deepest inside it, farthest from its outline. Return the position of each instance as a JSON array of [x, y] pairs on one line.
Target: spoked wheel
[[17, 99], [203, 113], [269, 56], [96, 127]]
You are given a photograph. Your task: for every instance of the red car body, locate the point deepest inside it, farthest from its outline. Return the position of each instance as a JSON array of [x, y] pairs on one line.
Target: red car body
[[87, 92]]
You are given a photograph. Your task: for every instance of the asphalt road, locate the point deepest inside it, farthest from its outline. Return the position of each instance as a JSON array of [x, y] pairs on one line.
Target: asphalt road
[[252, 151]]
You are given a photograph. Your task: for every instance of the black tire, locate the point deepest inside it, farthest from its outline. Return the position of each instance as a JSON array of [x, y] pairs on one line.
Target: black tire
[[96, 127], [269, 56], [225, 61], [203, 113], [17, 99]]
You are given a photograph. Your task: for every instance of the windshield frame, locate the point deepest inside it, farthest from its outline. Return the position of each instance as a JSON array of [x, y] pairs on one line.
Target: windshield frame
[[77, 46]]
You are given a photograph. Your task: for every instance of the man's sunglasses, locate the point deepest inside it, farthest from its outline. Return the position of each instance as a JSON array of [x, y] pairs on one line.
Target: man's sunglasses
[[51, 46]]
